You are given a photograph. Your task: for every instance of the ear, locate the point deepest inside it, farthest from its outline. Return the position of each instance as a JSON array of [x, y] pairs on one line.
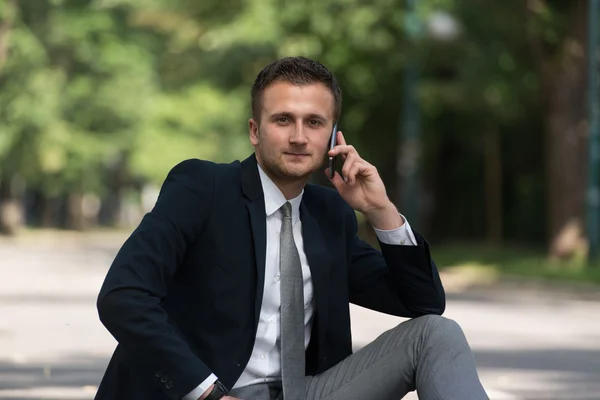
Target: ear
[[253, 130]]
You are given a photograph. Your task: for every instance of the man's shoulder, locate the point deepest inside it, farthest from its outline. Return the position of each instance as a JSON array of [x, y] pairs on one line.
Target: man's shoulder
[[199, 167]]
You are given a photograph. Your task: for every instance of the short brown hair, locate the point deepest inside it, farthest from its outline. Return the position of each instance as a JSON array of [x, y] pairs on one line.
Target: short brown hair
[[298, 71]]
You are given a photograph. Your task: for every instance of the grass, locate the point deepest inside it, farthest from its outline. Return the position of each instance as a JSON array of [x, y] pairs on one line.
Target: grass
[[483, 262], [513, 261]]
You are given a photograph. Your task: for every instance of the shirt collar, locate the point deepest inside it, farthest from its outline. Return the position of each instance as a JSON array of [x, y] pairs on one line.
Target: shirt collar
[[274, 199]]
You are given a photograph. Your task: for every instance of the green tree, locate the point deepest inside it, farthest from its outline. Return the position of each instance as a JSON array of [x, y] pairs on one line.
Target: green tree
[[104, 96], [557, 37]]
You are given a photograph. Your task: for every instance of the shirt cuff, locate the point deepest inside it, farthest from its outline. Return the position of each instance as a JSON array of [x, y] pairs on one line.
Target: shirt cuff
[[403, 236], [200, 389]]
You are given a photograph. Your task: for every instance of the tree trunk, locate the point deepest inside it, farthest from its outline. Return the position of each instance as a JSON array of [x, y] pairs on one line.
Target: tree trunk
[[48, 209], [4, 200], [566, 140], [493, 187], [8, 207], [11, 209], [5, 27], [112, 205], [75, 216]]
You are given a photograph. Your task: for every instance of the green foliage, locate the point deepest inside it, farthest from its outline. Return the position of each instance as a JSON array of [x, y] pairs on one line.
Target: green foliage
[[90, 86]]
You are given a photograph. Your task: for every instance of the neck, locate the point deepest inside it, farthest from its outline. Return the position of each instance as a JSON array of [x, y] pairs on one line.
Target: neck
[[290, 189]]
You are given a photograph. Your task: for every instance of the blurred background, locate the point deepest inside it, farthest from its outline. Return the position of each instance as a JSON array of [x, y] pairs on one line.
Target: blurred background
[[480, 115]]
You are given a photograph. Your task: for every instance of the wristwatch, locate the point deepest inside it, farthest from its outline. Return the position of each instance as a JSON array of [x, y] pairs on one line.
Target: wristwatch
[[218, 392]]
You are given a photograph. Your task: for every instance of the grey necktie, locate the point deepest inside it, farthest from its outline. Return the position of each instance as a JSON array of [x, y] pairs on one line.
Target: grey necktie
[[292, 311]]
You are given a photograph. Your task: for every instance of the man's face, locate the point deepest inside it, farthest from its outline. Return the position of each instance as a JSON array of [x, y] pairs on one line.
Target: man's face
[[295, 126]]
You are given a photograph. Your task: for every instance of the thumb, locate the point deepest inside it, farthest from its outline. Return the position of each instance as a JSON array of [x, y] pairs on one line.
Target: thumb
[[337, 181]]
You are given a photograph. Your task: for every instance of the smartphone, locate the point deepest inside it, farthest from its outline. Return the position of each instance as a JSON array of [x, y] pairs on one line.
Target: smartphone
[[332, 142]]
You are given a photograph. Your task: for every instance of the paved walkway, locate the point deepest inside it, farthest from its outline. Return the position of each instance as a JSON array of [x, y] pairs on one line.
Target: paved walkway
[[529, 344]]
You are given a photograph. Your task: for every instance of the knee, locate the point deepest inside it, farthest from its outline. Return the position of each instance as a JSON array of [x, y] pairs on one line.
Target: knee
[[435, 326], [434, 320]]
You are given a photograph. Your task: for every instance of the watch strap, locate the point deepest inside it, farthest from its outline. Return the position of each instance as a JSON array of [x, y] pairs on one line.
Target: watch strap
[[218, 392]]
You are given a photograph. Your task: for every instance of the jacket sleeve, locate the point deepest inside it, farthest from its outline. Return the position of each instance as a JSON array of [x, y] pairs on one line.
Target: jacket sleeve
[[398, 280], [129, 303]]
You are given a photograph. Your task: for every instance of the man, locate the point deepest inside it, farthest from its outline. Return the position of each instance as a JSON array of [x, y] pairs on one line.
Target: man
[[237, 284]]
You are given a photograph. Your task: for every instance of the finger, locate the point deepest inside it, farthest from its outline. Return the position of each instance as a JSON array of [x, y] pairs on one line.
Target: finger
[[340, 139], [343, 149], [343, 143], [354, 170], [350, 160], [336, 181], [357, 169]]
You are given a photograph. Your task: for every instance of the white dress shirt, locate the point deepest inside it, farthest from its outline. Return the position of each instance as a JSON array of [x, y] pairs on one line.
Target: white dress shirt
[[265, 363]]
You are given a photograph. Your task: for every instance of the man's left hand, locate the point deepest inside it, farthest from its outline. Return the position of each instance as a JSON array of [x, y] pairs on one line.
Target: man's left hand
[[362, 188]]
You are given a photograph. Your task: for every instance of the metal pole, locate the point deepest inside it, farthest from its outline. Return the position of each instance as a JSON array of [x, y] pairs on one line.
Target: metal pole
[[593, 192], [409, 147]]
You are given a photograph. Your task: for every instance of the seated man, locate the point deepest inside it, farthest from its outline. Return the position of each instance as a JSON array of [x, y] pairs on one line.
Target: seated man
[[238, 283]]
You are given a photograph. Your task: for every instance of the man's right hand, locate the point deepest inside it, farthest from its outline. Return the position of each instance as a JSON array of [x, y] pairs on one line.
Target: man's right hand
[[205, 394]]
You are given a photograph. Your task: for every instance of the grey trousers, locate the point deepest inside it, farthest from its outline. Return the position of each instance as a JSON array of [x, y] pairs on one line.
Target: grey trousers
[[429, 354]]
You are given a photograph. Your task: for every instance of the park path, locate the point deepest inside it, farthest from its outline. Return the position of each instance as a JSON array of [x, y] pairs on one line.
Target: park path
[[529, 343]]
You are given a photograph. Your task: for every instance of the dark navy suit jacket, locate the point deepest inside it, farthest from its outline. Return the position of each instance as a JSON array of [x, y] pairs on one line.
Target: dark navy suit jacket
[[183, 295]]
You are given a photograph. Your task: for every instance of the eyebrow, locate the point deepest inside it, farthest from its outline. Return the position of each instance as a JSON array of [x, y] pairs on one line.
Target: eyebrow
[[292, 116]]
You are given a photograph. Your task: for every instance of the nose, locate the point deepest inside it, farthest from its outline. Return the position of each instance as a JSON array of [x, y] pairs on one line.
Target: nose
[[298, 135]]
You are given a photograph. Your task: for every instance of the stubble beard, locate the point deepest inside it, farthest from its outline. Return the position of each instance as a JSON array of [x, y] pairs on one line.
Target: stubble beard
[[277, 168], [285, 171], [275, 165]]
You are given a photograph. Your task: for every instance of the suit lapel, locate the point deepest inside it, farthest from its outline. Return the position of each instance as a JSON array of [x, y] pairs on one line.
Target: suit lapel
[[319, 262], [252, 189]]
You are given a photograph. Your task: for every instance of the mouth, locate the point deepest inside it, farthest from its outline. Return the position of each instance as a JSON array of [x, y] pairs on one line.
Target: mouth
[[294, 154]]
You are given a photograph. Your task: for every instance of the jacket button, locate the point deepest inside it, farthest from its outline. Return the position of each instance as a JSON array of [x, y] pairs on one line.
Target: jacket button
[[169, 385], [158, 374], [164, 379]]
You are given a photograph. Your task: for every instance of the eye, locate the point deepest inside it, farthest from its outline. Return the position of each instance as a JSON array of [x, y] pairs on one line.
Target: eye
[[282, 120], [314, 123]]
